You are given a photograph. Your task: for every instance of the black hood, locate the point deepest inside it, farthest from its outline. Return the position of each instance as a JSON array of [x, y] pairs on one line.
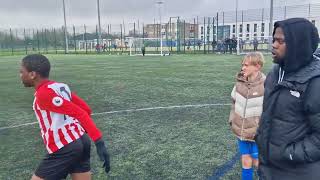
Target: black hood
[[302, 40]]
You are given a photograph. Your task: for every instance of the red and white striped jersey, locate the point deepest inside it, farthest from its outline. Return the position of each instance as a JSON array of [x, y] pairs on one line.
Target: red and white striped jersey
[[63, 117]]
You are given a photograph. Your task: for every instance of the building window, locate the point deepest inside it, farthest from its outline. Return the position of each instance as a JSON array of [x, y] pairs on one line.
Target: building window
[[240, 28], [262, 27], [201, 29], [248, 28], [255, 27], [208, 29], [233, 28], [247, 36]]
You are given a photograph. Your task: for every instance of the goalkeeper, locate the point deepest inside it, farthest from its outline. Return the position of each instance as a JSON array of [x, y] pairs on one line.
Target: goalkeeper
[[143, 50]]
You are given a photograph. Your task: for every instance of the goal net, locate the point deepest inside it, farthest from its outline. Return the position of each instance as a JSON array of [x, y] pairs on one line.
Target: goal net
[[152, 46], [255, 43]]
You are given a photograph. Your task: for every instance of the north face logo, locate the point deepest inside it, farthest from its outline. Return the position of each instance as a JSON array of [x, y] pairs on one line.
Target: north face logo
[[295, 93]]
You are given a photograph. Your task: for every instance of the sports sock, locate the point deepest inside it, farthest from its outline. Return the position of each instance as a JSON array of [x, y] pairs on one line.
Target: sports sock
[[247, 174]]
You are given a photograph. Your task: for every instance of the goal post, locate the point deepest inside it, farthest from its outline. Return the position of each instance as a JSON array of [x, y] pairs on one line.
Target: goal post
[[153, 46], [254, 43]]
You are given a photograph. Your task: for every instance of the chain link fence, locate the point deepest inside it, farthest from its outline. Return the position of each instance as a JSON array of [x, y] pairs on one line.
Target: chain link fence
[[223, 32]]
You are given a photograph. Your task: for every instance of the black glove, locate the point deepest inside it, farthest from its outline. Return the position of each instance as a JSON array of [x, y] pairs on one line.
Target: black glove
[[103, 154]]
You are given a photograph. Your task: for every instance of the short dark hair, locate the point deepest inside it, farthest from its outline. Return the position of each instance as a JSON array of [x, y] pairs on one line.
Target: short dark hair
[[37, 63]]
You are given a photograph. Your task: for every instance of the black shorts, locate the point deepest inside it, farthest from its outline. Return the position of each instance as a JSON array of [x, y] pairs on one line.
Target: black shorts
[[72, 158]]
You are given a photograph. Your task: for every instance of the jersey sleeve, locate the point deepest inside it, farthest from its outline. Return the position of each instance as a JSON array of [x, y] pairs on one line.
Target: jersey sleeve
[[47, 99], [81, 103]]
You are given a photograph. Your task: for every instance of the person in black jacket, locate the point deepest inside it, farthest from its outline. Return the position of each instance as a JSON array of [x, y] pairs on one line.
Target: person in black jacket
[[143, 50], [288, 136]]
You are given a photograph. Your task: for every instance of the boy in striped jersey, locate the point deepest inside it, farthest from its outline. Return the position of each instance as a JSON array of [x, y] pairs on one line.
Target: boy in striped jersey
[[65, 124]]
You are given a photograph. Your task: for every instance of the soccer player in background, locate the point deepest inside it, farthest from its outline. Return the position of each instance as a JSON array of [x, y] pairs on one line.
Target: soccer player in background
[[143, 50], [65, 124], [247, 100]]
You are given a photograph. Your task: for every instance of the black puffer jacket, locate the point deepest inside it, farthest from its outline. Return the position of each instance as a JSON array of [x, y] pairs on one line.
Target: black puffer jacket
[[317, 52], [288, 137]]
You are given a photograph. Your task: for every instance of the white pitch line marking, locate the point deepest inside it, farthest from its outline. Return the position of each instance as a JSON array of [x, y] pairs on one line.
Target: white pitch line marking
[[130, 110]]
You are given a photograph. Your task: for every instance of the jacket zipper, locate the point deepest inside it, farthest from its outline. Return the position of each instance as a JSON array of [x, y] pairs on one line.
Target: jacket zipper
[[244, 113]]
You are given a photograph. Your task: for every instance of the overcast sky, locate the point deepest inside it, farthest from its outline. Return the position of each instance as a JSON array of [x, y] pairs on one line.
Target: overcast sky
[[49, 13]]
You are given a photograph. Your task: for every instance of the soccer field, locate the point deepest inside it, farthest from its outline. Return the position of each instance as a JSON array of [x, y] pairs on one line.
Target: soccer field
[[162, 117]]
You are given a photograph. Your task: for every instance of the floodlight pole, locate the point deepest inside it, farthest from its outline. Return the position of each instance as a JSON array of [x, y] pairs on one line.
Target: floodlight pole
[[270, 24], [66, 49], [99, 24], [170, 26], [160, 3], [237, 34]]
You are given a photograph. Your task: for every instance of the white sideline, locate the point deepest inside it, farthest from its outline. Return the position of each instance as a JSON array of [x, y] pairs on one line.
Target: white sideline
[[129, 110]]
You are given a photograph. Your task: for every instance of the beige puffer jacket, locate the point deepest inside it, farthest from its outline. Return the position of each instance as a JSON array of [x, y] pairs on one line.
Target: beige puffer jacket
[[247, 106]]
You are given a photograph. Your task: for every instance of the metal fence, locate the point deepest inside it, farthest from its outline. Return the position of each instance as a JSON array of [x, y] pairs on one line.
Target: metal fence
[[217, 33]]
